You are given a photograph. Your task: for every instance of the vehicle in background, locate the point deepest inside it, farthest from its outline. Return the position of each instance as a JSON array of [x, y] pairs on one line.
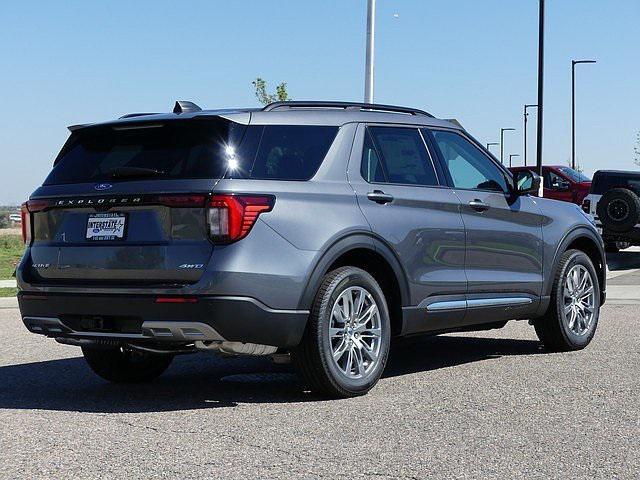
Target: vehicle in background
[[562, 183], [15, 218], [614, 203]]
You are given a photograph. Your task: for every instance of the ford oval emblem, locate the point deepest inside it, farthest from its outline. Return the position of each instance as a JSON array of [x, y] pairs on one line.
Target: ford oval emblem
[[103, 186]]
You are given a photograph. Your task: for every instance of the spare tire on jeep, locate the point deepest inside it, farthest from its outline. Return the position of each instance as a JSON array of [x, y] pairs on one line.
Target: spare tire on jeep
[[619, 210]]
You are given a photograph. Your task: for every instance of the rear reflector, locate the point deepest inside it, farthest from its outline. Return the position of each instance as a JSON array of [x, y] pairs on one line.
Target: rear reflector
[[176, 300], [231, 217]]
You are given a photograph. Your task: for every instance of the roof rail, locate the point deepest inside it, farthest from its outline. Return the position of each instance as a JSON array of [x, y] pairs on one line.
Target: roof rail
[[129, 115], [346, 106]]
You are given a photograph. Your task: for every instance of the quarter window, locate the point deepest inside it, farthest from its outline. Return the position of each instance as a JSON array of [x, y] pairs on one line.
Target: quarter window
[[469, 168], [397, 155], [291, 152]]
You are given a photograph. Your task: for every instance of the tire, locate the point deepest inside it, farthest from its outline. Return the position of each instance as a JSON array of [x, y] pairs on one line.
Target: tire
[[314, 357], [120, 365], [555, 328], [619, 210]]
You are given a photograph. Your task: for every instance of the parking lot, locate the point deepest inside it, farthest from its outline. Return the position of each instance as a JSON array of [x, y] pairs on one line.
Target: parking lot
[[485, 405]]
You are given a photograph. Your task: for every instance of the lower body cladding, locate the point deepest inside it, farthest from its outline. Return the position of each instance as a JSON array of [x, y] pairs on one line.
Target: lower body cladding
[[235, 325]]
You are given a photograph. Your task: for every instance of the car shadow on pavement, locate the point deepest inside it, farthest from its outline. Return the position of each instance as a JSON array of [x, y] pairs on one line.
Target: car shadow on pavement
[[203, 380], [625, 260]]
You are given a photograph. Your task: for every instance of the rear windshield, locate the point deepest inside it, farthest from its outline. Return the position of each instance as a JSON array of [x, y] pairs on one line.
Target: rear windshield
[[191, 149], [173, 150], [574, 175]]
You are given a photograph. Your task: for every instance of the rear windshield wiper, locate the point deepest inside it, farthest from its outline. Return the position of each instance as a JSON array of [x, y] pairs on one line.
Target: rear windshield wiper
[[121, 172]]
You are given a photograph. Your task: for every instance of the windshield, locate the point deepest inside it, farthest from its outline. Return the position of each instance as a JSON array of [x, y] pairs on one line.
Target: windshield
[[574, 174], [179, 149]]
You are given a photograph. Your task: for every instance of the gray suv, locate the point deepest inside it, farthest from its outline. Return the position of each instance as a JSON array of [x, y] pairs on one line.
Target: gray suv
[[314, 231]]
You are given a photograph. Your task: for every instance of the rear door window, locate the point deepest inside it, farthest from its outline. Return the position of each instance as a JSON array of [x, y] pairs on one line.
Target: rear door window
[[397, 155]]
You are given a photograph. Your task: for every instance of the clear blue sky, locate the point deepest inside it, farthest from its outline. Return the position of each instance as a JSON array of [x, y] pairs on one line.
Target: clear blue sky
[[80, 61]]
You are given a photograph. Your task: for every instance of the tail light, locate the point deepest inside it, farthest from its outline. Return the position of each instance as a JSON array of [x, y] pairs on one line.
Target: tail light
[[26, 210], [586, 206], [25, 218], [231, 217]]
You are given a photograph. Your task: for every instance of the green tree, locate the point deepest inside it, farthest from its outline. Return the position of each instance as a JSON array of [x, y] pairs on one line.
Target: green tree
[[280, 95]]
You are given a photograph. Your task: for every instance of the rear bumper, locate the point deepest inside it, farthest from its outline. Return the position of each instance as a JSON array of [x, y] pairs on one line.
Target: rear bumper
[[140, 318]]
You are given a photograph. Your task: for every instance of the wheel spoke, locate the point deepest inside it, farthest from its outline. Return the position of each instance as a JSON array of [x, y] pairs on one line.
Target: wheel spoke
[[364, 318], [359, 303], [336, 332], [572, 318], [349, 364], [357, 353], [339, 351], [368, 351], [586, 293], [338, 314], [583, 278]]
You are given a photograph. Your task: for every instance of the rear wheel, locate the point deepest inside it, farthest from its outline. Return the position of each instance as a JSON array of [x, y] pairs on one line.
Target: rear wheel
[[572, 318], [346, 344], [121, 365]]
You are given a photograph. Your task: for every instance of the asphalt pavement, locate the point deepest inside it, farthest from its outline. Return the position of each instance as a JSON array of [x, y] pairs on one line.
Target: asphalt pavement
[[489, 405]]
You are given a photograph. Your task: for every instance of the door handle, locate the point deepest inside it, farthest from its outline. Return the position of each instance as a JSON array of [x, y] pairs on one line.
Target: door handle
[[380, 197], [479, 205]]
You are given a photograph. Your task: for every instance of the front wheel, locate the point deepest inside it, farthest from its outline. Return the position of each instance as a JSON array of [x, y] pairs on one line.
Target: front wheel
[[122, 365], [572, 318], [346, 344]]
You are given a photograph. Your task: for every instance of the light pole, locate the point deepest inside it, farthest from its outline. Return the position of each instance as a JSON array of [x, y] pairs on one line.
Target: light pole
[[369, 64], [511, 158], [502, 130], [526, 115], [491, 144], [573, 108], [540, 89]]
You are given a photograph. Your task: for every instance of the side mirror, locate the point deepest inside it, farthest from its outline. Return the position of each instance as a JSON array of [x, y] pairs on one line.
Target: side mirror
[[526, 182], [563, 185]]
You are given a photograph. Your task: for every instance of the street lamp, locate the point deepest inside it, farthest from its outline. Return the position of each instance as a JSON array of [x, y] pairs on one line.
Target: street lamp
[[526, 115], [540, 88], [369, 64], [502, 130], [491, 144], [573, 108], [511, 159]]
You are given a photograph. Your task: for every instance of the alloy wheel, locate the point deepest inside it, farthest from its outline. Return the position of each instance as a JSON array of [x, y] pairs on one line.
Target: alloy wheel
[[355, 332], [579, 300]]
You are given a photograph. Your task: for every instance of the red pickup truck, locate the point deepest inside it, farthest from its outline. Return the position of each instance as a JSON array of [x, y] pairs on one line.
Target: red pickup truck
[[562, 183]]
